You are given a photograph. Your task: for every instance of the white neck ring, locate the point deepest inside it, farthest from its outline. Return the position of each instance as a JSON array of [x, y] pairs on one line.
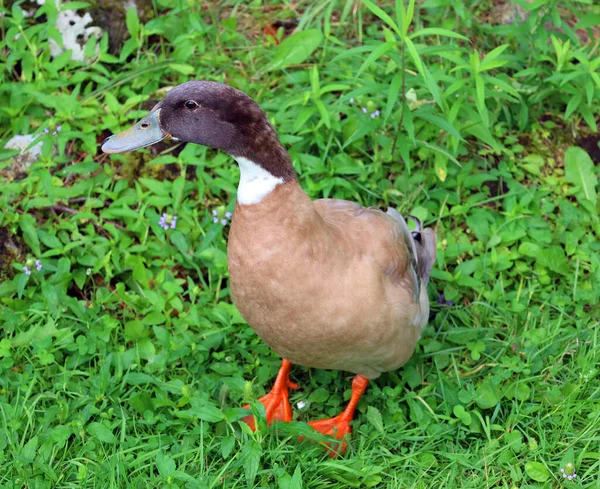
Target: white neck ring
[[255, 182]]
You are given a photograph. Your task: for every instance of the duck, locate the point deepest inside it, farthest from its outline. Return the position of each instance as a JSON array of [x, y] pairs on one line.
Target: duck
[[325, 283]]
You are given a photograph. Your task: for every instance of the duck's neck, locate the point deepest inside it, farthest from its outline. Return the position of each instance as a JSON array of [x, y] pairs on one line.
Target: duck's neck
[[263, 166], [255, 182]]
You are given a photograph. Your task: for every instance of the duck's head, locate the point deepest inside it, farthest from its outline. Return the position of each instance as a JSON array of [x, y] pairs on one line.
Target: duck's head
[[211, 114]]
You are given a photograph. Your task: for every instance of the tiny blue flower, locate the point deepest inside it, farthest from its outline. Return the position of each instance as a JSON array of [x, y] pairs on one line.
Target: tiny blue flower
[[443, 302], [568, 472], [167, 221], [220, 216], [38, 265], [26, 270], [365, 110], [351, 100], [46, 131], [58, 128]]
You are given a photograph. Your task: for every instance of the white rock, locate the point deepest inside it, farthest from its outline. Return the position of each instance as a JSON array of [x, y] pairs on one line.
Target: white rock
[[21, 142], [71, 25], [17, 166]]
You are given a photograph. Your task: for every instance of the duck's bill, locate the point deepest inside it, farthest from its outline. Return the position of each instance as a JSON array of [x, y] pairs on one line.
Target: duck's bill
[[145, 133]]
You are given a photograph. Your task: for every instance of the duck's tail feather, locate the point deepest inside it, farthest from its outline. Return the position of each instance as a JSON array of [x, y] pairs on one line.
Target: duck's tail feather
[[426, 251], [421, 243]]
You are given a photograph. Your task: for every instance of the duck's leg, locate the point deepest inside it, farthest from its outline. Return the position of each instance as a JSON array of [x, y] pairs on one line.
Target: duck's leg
[[276, 402], [340, 425]]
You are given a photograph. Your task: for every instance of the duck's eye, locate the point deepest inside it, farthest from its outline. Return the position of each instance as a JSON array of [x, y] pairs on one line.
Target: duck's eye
[[191, 104]]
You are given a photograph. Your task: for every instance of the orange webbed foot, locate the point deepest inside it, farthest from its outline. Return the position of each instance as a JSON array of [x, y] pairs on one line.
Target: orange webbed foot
[[276, 402], [339, 426]]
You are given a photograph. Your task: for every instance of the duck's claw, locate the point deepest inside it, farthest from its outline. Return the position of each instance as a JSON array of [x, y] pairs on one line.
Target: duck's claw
[[277, 408], [338, 427], [276, 402]]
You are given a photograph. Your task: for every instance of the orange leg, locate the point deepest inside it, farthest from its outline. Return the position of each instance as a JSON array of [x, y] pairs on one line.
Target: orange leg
[[340, 425], [276, 402]]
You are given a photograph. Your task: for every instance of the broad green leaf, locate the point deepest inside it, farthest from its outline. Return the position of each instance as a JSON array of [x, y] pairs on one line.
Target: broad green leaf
[[433, 88], [579, 170], [134, 330], [480, 100], [412, 50], [519, 391], [400, 13], [208, 412], [487, 395], [573, 105], [491, 56], [177, 190], [437, 121], [101, 433], [589, 117], [165, 464], [227, 445], [375, 54], [588, 20], [409, 16], [323, 111], [296, 482], [184, 69], [554, 258], [460, 412], [154, 318], [441, 166], [537, 471], [133, 22], [29, 451], [393, 94], [315, 83], [374, 417], [500, 84], [296, 49], [28, 224], [251, 453], [159, 188]]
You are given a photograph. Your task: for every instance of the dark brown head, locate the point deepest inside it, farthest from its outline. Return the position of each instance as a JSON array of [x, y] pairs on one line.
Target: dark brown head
[[211, 114]]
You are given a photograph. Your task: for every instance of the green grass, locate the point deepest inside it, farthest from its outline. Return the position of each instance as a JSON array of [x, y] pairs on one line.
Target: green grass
[[124, 363]]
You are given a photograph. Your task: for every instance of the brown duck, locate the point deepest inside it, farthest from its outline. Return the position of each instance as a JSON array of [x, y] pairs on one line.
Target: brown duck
[[326, 283]]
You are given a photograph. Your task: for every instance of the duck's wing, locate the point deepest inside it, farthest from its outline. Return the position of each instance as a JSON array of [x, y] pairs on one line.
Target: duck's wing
[[406, 256]]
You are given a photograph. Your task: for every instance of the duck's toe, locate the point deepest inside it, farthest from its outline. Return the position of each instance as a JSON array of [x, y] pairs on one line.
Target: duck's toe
[[338, 427], [276, 402]]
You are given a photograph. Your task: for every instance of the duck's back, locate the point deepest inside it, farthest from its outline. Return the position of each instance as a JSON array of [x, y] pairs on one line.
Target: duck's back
[[329, 284]]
